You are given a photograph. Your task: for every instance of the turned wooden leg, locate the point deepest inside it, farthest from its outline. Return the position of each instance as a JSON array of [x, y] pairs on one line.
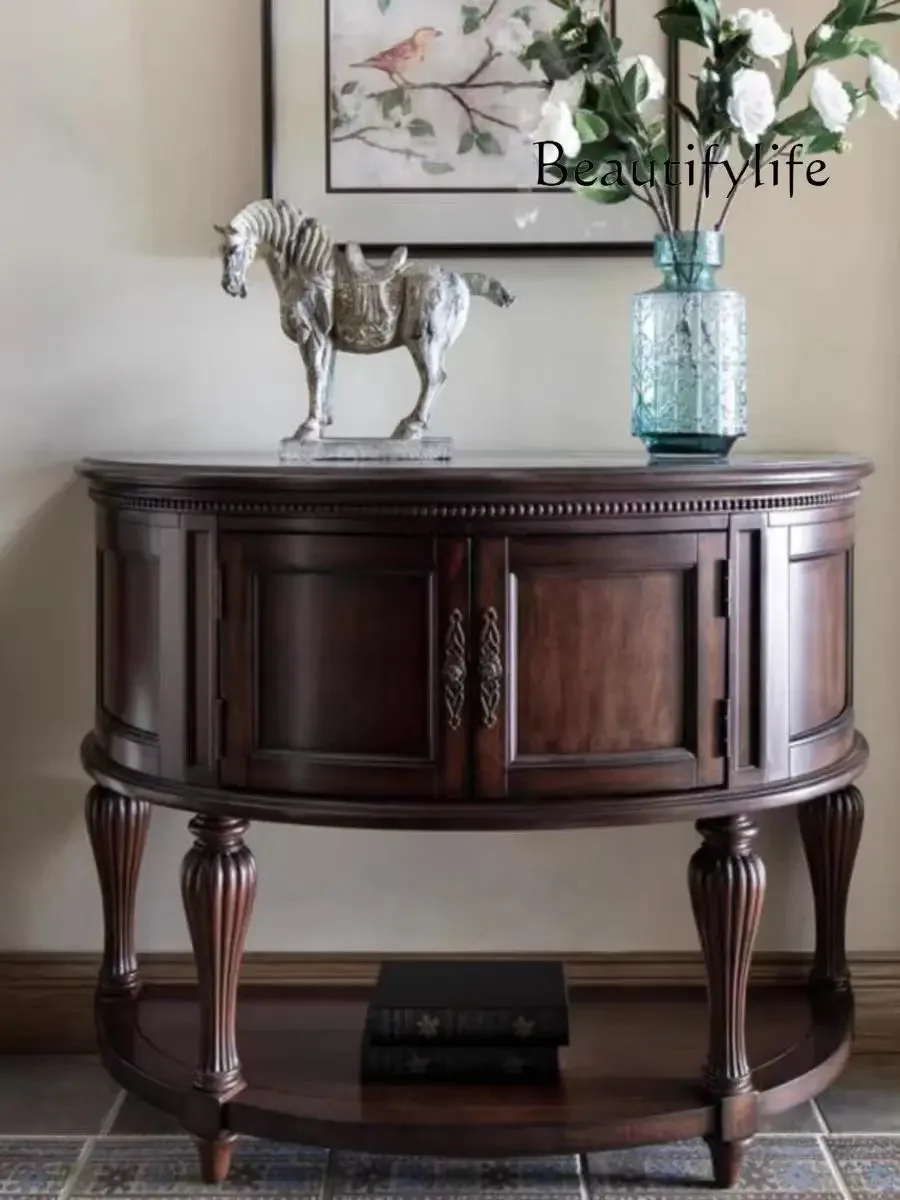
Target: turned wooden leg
[[117, 828], [728, 882], [831, 828], [218, 885]]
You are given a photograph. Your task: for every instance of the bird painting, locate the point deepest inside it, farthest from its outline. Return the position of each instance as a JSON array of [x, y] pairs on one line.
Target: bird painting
[[408, 53]]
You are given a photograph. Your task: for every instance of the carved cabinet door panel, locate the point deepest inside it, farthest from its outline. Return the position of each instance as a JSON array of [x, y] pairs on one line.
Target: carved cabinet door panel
[[600, 664], [343, 663]]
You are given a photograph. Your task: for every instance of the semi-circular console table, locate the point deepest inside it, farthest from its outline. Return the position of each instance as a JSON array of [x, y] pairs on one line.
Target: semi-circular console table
[[487, 644]]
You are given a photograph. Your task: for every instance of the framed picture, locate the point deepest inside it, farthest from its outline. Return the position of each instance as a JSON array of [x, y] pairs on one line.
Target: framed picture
[[405, 122]]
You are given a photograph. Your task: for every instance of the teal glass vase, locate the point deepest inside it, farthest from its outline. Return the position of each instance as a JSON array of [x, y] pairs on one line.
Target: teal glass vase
[[689, 354]]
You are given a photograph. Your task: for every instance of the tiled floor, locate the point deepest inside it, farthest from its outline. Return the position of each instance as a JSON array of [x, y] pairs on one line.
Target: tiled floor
[[66, 1133]]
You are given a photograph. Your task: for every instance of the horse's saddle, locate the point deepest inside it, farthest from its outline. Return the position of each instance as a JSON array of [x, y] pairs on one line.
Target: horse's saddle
[[363, 272]]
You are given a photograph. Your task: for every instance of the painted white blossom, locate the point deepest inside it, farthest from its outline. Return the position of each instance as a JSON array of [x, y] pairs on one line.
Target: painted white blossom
[[558, 125], [512, 38], [656, 81], [751, 106], [767, 38], [824, 33], [885, 81], [830, 100]]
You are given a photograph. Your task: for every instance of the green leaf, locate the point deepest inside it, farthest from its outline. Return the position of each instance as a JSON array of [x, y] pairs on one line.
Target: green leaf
[[607, 195], [466, 142], [348, 88], [472, 18], [590, 126], [806, 123], [436, 168], [824, 143], [636, 86], [851, 13], [684, 28], [420, 128], [880, 18], [394, 98], [839, 45], [384, 5], [487, 143], [867, 47], [791, 72], [523, 15]]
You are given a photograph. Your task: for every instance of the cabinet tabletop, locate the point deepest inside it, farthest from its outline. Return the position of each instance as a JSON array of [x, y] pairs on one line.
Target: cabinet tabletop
[[629, 471]]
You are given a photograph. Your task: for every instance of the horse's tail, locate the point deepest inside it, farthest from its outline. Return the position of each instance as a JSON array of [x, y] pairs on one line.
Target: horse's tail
[[490, 288]]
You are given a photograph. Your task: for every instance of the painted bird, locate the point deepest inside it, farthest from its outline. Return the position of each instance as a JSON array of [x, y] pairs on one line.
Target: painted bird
[[408, 53]]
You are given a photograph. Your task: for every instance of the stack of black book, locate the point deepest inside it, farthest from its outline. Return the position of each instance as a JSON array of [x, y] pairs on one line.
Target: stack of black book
[[466, 1022]]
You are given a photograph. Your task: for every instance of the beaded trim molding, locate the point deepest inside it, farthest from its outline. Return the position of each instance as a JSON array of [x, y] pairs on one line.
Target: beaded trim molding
[[523, 510]]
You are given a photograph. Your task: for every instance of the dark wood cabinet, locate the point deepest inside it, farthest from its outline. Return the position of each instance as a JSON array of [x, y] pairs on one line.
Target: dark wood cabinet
[[479, 645]]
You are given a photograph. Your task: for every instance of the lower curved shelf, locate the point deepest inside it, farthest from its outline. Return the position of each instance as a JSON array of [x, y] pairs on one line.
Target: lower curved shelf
[[630, 1075]]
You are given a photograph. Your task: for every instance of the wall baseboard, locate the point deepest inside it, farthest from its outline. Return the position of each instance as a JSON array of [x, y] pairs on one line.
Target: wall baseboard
[[46, 1000]]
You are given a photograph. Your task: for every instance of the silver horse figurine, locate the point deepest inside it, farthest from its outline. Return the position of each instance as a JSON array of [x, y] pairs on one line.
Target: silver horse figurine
[[332, 299]]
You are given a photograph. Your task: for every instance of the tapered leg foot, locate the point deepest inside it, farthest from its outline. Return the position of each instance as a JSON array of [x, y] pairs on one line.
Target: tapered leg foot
[[727, 882], [727, 1160], [117, 827], [831, 828], [215, 1159]]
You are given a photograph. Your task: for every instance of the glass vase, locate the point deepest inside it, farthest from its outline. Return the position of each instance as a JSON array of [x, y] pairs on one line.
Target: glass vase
[[689, 354]]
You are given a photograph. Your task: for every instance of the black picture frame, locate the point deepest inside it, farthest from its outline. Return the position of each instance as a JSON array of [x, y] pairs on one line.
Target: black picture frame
[[477, 249]]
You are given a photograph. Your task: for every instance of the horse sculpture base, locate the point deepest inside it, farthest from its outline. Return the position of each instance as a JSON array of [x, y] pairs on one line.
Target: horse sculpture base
[[366, 450]]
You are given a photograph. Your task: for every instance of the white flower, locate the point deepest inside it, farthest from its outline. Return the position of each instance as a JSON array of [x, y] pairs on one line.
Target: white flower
[[830, 100], [557, 125], [767, 38], [885, 81], [568, 91], [656, 81], [512, 38], [591, 10], [824, 33], [751, 106]]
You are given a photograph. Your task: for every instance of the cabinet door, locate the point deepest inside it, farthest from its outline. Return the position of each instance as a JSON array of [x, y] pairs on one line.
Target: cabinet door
[[601, 664], [338, 664]]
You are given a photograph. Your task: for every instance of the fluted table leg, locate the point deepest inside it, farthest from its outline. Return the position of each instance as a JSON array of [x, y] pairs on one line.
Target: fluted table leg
[[727, 883], [831, 827], [117, 827], [218, 884]]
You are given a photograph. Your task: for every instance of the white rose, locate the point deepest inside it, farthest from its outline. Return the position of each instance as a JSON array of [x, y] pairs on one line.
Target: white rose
[[824, 33], [568, 91], [656, 81], [885, 81], [767, 38], [558, 125], [751, 106], [830, 100]]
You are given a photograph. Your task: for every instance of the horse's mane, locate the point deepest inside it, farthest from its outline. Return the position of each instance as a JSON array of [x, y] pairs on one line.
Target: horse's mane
[[295, 239]]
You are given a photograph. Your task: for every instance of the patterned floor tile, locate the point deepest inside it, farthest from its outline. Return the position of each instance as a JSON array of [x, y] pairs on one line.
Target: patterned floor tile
[[866, 1097], [789, 1168], [53, 1094], [148, 1167], [32, 1167], [368, 1175], [870, 1166]]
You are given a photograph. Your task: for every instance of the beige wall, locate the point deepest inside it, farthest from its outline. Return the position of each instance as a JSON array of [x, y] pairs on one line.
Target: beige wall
[[126, 128]]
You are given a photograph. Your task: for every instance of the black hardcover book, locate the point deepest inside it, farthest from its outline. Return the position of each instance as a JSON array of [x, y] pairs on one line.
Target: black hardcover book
[[459, 1064], [469, 1003]]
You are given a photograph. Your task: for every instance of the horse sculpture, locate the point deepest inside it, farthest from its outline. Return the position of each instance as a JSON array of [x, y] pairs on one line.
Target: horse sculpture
[[332, 299]]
